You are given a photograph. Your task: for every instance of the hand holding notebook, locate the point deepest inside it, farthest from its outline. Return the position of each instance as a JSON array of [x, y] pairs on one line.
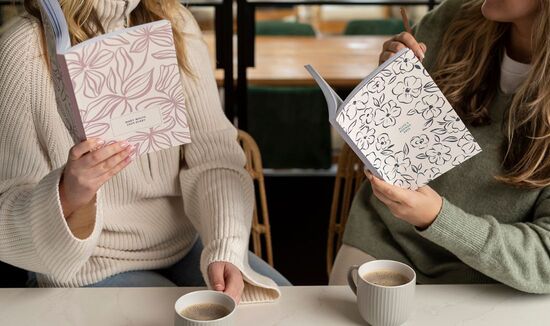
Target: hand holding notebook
[[400, 124]]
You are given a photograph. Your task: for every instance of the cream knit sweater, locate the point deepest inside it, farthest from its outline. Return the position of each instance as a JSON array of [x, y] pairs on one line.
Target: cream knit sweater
[[146, 217]]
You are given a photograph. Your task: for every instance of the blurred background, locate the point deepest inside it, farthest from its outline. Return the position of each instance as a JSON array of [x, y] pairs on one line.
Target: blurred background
[[305, 177]]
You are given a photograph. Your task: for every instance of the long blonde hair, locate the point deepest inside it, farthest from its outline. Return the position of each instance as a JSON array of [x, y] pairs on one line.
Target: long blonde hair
[[466, 70], [84, 23]]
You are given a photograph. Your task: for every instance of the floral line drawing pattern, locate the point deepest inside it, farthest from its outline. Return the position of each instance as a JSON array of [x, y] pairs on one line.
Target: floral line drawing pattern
[[404, 126], [131, 72], [365, 137], [439, 154], [387, 114], [404, 64], [408, 89], [429, 107], [86, 69], [420, 141], [377, 85]]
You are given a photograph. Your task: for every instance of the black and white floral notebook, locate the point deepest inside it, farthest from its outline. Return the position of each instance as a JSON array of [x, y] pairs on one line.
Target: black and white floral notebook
[[400, 124]]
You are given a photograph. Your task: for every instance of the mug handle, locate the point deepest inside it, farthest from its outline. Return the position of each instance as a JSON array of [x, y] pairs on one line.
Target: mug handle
[[351, 282]]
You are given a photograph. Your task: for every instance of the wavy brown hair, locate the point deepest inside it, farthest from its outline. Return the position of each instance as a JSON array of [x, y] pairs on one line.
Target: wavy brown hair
[[466, 70], [84, 23]]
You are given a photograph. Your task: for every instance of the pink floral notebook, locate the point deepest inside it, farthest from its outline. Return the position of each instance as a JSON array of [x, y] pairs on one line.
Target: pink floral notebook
[[123, 85]]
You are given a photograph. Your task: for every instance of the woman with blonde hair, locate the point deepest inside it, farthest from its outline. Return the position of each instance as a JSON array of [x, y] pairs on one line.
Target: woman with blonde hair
[[77, 217], [487, 220]]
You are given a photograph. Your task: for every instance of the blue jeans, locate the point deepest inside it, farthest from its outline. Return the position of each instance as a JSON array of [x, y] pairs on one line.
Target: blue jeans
[[185, 272]]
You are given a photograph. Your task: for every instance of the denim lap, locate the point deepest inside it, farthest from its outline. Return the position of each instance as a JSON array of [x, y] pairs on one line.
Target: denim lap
[[185, 272], [134, 279]]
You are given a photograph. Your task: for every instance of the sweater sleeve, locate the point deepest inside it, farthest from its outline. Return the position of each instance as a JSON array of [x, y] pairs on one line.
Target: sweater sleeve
[[218, 191], [513, 254], [34, 234]]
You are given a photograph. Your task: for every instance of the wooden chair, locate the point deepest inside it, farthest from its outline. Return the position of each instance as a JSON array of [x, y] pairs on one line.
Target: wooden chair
[[349, 177], [260, 219]]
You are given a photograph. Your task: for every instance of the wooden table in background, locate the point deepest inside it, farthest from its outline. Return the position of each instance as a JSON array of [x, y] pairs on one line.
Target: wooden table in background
[[247, 38], [342, 60]]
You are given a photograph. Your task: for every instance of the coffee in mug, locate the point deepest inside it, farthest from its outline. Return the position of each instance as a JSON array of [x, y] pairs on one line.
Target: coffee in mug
[[386, 278], [385, 291], [205, 311], [206, 307]]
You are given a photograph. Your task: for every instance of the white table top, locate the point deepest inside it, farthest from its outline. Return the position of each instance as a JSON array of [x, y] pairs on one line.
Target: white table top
[[320, 305]]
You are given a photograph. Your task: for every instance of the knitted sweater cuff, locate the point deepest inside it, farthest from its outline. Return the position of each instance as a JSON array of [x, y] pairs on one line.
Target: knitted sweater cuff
[[60, 251], [258, 288], [457, 231]]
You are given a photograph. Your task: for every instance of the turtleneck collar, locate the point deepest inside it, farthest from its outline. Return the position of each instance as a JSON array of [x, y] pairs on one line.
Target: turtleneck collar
[[114, 13]]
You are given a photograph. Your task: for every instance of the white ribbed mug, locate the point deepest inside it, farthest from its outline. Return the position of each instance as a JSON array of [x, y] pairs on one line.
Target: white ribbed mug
[[383, 305], [205, 296]]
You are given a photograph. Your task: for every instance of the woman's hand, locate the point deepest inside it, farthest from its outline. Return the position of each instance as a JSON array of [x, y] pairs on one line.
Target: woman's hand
[[89, 166], [419, 208], [227, 278], [400, 41]]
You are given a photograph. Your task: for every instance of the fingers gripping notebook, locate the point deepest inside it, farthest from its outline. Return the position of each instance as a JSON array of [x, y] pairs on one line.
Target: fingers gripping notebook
[[400, 124]]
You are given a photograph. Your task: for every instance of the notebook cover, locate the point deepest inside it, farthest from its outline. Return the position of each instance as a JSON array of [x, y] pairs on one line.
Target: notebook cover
[[400, 122], [127, 86], [123, 85]]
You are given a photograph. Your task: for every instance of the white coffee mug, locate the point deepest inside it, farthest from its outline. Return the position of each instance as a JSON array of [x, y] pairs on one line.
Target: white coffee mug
[[205, 296], [383, 305]]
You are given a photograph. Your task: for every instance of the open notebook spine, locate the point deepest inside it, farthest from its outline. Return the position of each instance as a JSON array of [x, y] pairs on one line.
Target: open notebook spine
[[70, 97], [334, 103], [52, 13], [57, 41]]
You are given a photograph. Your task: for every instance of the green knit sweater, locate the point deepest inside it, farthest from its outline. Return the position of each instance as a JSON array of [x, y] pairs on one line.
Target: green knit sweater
[[486, 231]]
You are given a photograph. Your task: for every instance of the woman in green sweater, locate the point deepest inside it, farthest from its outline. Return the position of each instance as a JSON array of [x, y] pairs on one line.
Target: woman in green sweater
[[488, 219]]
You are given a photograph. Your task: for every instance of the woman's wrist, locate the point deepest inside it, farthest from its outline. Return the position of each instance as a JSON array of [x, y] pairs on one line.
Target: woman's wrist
[[432, 216], [66, 206], [430, 219]]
